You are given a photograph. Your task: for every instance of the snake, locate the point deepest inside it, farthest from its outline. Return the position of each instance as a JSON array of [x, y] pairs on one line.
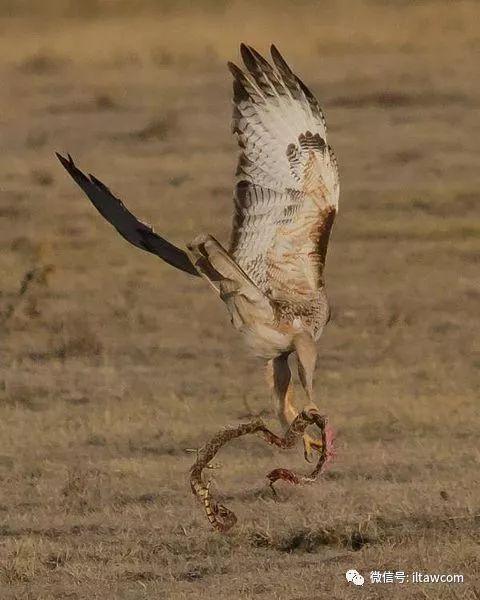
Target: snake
[[221, 518]]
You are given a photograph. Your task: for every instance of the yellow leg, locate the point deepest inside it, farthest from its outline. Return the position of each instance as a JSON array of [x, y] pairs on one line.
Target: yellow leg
[[279, 378], [306, 350]]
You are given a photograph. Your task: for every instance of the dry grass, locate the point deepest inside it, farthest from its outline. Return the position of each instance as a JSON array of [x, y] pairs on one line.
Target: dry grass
[[112, 364]]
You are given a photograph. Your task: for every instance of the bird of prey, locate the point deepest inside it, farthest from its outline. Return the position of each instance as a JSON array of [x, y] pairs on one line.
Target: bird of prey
[[271, 277]]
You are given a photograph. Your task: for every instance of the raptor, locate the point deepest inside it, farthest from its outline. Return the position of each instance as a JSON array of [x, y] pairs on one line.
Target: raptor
[[271, 277]]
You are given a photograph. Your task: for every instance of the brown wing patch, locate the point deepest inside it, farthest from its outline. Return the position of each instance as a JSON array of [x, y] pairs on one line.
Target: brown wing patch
[[320, 236]]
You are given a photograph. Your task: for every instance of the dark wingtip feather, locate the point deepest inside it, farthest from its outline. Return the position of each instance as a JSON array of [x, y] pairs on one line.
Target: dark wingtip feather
[[67, 162], [64, 161], [234, 70], [259, 57], [239, 90], [279, 60], [256, 65], [274, 51], [100, 184], [247, 56]]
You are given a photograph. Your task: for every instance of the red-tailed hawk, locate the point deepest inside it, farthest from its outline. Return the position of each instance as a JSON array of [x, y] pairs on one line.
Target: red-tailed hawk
[[271, 278]]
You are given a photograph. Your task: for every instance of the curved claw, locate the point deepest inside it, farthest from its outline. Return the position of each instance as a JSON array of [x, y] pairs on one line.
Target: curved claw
[[309, 446]]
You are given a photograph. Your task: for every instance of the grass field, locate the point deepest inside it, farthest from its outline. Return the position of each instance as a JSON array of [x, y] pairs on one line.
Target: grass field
[[112, 364]]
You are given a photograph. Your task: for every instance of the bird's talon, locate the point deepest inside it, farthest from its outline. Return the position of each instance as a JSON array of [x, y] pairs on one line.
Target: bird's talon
[[307, 455], [310, 446]]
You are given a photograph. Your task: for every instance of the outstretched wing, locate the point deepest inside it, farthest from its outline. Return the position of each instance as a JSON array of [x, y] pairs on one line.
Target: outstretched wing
[[287, 187], [127, 225]]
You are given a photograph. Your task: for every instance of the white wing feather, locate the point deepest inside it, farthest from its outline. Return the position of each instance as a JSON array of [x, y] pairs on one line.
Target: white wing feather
[[286, 182]]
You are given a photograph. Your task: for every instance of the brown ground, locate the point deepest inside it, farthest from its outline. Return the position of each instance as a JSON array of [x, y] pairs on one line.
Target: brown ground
[[112, 364]]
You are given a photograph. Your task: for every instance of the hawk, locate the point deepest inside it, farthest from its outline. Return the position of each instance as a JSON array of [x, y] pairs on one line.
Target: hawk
[[271, 277]]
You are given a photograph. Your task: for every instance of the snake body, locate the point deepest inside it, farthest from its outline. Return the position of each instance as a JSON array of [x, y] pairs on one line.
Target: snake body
[[222, 518]]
